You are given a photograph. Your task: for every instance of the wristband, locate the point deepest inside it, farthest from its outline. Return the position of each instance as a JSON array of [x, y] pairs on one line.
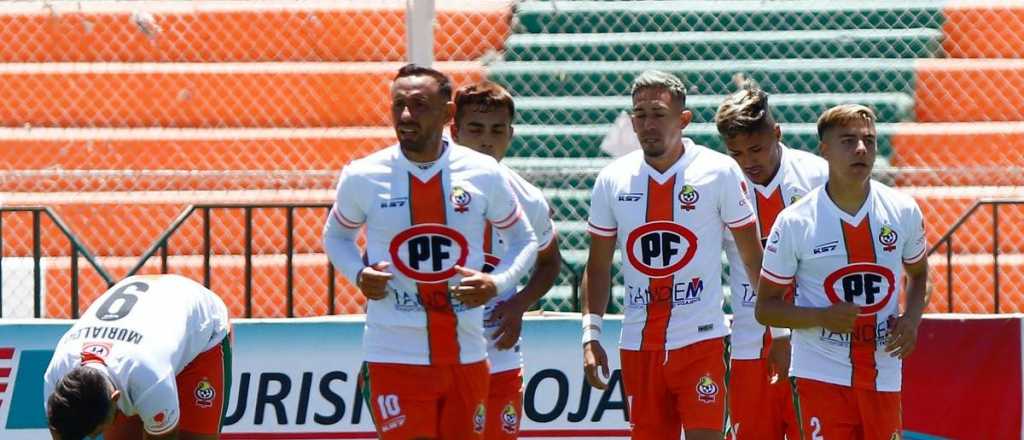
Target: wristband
[[592, 327]]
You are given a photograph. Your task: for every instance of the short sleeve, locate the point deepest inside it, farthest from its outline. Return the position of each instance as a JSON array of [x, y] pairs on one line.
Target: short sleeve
[[734, 208], [347, 209], [158, 407], [602, 219], [502, 205], [539, 214], [780, 258], [916, 245]]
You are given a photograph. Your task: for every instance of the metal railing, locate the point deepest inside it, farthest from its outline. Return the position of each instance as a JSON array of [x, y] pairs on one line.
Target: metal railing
[[947, 240], [162, 245], [77, 249]]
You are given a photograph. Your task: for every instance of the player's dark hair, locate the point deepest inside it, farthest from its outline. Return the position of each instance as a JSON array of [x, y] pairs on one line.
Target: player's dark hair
[[745, 111], [484, 95], [444, 84], [79, 403]]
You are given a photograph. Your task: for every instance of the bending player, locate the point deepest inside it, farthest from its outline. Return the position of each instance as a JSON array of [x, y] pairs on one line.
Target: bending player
[[425, 203], [760, 395], [665, 207], [846, 245], [483, 121], [150, 359]]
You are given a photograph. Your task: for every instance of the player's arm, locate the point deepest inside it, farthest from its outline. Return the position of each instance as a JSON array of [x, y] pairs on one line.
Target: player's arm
[[735, 211], [510, 313], [596, 295], [339, 236], [778, 271], [749, 246], [503, 211], [903, 338]]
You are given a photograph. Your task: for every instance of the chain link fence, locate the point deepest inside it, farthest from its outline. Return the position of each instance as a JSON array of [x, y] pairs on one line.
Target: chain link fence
[[121, 114]]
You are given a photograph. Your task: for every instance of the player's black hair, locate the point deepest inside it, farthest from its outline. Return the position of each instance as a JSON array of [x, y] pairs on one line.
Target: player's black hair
[[79, 404], [444, 84]]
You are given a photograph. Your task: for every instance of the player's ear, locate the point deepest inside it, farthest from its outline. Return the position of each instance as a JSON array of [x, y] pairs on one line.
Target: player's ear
[[511, 131], [449, 111], [685, 118], [778, 133], [114, 396], [454, 129]]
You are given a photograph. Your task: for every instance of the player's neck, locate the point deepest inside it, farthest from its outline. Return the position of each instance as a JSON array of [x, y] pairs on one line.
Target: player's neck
[[431, 153], [848, 196], [662, 163]]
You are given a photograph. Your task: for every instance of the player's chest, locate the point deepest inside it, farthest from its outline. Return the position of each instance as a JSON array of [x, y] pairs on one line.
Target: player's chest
[[860, 263], [404, 200], [687, 200]]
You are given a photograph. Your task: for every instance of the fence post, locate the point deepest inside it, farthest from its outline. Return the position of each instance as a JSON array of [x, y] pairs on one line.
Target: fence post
[[419, 31]]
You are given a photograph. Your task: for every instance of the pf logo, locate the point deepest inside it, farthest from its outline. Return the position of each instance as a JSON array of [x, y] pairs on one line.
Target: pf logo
[[659, 249], [870, 286], [428, 253]]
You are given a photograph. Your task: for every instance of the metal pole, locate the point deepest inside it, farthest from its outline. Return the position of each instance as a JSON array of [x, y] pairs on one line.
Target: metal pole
[[163, 257], [995, 254], [289, 245], [248, 262], [949, 275], [206, 247], [74, 281], [330, 288], [37, 270], [419, 35]]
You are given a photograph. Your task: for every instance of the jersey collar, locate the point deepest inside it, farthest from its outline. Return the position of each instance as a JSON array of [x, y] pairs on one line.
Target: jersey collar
[[690, 151], [864, 208]]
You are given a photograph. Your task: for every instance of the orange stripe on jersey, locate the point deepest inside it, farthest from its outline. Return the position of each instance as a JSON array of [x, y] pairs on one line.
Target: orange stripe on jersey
[[860, 248], [660, 206], [427, 204], [488, 235], [768, 209]]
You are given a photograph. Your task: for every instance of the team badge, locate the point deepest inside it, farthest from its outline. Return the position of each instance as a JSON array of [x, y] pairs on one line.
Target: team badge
[[895, 436], [461, 199], [509, 419], [688, 198], [707, 389], [888, 238], [794, 198], [204, 394], [478, 418]]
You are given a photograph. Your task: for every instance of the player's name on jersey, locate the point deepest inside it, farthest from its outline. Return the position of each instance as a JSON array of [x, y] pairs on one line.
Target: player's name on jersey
[[119, 334]]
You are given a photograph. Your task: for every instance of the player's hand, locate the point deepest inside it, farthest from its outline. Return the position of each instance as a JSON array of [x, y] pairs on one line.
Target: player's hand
[[594, 358], [509, 317], [373, 280], [839, 317], [903, 336], [475, 288], [778, 358]]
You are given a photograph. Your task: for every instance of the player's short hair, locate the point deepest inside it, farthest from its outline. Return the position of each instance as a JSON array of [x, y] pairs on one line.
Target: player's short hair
[[842, 115], [79, 404], [444, 84], [663, 80], [484, 94], [745, 111]]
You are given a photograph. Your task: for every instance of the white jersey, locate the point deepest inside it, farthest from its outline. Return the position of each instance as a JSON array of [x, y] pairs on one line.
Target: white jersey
[[142, 332], [833, 256], [538, 213], [669, 229], [424, 222], [799, 173]]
